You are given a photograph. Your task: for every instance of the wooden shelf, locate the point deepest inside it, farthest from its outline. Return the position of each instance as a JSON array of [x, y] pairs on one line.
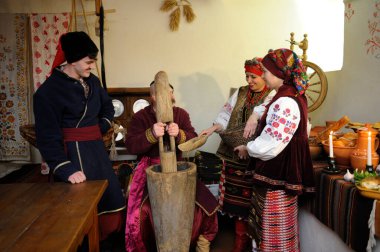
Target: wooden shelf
[[128, 96]]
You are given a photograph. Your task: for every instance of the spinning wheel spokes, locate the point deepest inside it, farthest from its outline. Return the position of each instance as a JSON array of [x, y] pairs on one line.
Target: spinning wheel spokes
[[311, 75], [315, 83], [317, 90], [310, 98]]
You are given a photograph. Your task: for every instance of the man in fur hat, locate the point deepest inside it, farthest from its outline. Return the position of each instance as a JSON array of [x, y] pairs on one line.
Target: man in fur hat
[[72, 111]]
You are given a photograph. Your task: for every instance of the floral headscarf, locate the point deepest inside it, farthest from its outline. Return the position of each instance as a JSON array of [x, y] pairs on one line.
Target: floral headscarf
[[286, 65]]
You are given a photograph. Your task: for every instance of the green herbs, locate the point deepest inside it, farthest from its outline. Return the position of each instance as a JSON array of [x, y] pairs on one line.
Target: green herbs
[[358, 176]]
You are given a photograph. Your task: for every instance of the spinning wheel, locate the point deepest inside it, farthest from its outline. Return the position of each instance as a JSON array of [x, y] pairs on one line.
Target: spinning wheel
[[316, 93]]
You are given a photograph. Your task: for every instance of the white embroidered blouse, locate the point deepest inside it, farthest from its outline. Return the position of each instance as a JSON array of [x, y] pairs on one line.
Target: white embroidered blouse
[[282, 121], [225, 113]]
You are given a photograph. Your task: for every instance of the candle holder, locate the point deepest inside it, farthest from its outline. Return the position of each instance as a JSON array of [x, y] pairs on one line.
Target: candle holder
[[331, 168], [369, 168]]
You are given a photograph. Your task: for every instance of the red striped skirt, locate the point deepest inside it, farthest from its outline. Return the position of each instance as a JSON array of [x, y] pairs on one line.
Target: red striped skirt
[[273, 220]]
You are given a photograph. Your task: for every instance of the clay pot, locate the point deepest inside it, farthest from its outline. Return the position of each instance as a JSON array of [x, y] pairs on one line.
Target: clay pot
[[342, 154], [315, 130], [359, 155]]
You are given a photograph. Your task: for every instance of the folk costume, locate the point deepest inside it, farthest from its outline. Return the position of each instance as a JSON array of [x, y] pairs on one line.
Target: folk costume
[[140, 140], [70, 117], [280, 157], [235, 186]]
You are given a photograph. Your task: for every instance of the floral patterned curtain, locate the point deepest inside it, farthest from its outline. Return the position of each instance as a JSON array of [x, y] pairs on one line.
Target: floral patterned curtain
[[46, 30], [14, 87]]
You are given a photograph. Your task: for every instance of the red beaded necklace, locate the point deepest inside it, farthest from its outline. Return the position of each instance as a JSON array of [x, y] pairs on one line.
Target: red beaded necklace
[[254, 97]]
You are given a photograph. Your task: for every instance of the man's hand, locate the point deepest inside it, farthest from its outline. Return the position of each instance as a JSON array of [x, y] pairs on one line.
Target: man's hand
[[77, 177], [159, 129], [173, 129], [241, 151], [250, 126]]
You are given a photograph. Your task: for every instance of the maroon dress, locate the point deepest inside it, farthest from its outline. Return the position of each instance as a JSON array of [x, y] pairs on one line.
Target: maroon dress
[[292, 169], [278, 182]]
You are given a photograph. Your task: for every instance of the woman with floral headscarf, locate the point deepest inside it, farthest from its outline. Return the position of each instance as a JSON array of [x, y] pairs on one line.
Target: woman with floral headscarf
[[280, 155]]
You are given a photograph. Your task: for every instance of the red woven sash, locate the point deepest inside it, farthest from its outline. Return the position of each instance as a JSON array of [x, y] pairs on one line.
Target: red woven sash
[[82, 134]]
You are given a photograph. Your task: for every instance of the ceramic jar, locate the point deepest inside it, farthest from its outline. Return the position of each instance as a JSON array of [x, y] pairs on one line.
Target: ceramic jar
[[359, 154]]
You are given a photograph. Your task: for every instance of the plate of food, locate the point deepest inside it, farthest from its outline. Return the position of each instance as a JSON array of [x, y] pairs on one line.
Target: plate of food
[[376, 125], [355, 125], [370, 187]]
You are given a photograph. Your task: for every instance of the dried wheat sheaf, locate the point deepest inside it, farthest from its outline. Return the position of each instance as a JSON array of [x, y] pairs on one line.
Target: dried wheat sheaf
[[175, 15]]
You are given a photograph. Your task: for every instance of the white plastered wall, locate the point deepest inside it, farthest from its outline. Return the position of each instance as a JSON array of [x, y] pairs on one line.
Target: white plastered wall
[[205, 59]]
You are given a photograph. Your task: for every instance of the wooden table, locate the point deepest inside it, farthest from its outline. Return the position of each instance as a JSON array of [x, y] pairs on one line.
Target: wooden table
[[49, 216]]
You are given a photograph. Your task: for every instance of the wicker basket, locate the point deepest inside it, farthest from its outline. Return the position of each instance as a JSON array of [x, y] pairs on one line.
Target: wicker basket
[[234, 137], [29, 133], [107, 138]]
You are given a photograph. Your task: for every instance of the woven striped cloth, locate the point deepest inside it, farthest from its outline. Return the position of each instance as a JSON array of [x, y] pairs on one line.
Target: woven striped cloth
[[273, 222], [339, 205]]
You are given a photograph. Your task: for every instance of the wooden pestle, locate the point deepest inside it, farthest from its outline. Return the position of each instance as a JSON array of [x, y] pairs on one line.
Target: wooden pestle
[[164, 113]]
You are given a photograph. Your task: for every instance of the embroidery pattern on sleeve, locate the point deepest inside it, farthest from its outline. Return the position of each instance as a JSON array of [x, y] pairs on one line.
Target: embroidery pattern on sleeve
[[228, 107], [282, 124]]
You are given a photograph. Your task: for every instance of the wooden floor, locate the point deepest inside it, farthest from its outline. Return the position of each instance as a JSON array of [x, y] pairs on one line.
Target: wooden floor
[[30, 173]]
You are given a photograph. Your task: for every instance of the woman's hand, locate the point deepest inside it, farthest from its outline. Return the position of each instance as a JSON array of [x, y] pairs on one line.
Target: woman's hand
[[241, 151], [207, 132], [250, 126], [216, 127]]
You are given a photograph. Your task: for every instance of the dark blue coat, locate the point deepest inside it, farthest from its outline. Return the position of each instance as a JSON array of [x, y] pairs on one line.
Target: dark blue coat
[[60, 103]]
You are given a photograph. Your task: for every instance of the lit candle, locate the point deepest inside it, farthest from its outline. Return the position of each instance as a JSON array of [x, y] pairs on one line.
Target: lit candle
[[369, 151], [331, 144]]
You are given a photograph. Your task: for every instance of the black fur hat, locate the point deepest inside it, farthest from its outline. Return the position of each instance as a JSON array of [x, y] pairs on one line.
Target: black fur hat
[[77, 45]]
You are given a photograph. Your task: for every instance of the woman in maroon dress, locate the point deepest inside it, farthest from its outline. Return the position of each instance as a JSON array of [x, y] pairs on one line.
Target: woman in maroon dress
[[280, 155]]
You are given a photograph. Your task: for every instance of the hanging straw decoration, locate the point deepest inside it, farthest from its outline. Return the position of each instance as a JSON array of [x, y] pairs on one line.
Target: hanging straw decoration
[[174, 19], [188, 13], [175, 15], [168, 5]]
